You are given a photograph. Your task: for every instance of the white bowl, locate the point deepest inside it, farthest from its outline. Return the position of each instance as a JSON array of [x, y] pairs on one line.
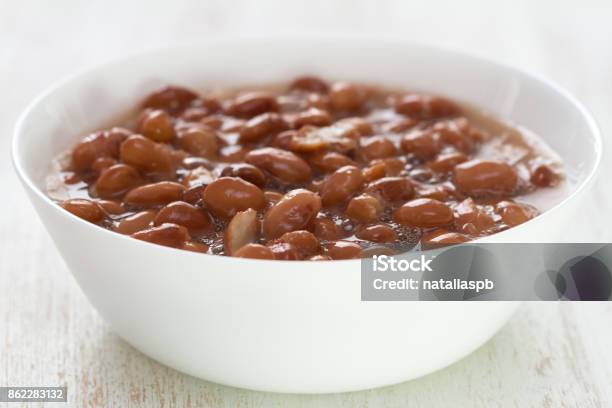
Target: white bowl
[[272, 325]]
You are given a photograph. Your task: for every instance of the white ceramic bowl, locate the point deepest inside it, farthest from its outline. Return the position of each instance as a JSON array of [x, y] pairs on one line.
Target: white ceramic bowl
[[284, 326]]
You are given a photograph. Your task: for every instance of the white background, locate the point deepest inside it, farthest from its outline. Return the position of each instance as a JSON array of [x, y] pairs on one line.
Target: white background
[[548, 355]]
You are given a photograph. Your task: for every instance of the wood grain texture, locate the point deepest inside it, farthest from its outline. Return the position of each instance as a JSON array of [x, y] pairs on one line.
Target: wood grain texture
[[549, 355]]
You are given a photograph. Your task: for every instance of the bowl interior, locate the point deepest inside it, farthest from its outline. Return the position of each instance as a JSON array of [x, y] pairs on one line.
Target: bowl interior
[[93, 99]]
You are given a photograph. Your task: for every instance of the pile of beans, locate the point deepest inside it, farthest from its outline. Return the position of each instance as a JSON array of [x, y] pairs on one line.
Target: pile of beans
[[315, 170]]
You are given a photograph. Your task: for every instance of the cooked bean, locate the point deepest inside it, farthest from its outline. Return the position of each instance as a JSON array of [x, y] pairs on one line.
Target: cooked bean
[[441, 238], [254, 251], [424, 213], [284, 165], [374, 172], [544, 176], [243, 229], [392, 188], [445, 163], [95, 146], [135, 222], [328, 162], [170, 235], [145, 155], [341, 185], [155, 194], [252, 104], [197, 177], [312, 117], [364, 208], [284, 251], [200, 141], [111, 207], [101, 164], [513, 213], [423, 144], [170, 98], [116, 181], [425, 106], [261, 126], [226, 196], [486, 178], [342, 250], [471, 219], [157, 125], [320, 258], [379, 233], [293, 212], [195, 219], [305, 242], [86, 209], [194, 246], [309, 84], [326, 229], [346, 96], [246, 172], [377, 147]]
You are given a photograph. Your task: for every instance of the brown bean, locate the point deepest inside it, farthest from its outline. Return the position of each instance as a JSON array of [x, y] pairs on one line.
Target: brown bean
[[339, 138], [135, 222], [155, 194], [284, 165], [377, 147], [470, 218], [304, 242], [197, 177], [342, 250], [328, 162], [116, 181], [272, 197], [284, 251], [196, 220], [320, 258], [95, 146], [111, 207], [194, 246], [364, 208], [374, 172], [341, 185], [310, 84], [445, 163], [200, 141], [423, 144], [326, 229], [312, 117], [86, 209], [380, 233], [485, 178], [170, 98], [424, 213], [170, 235], [346, 96], [226, 196], [254, 251], [150, 157], [246, 172], [448, 134], [243, 229], [157, 125], [261, 126], [441, 237], [252, 104], [544, 176], [425, 106], [392, 188], [514, 214], [357, 126], [293, 212], [101, 164]]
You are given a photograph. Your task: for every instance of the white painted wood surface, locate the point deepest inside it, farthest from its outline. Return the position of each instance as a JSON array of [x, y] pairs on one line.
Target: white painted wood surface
[[549, 355]]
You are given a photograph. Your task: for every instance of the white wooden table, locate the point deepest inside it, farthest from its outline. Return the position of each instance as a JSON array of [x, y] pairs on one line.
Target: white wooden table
[[549, 355]]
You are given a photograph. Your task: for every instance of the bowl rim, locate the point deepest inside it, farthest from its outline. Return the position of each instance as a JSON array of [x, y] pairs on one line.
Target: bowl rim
[[234, 40]]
